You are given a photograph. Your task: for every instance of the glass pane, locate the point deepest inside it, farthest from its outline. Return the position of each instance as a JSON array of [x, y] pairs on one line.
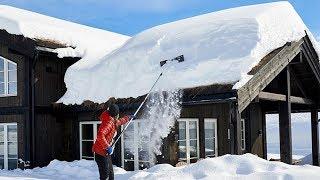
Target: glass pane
[[12, 76], [12, 133], [128, 134], [12, 150], [1, 163], [182, 130], [1, 133], [88, 158], [209, 147], [1, 149], [193, 130], [11, 66], [12, 164], [87, 148], [128, 150], [1, 88], [12, 88], [182, 149], [2, 77], [144, 165], [143, 154], [87, 131], [1, 64], [193, 148], [128, 165]]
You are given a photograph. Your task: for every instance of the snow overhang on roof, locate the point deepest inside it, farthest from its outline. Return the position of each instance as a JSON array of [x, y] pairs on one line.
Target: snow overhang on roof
[[65, 38], [219, 48]]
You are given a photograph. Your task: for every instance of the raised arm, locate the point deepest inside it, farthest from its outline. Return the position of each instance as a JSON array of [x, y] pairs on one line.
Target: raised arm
[[123, 120]]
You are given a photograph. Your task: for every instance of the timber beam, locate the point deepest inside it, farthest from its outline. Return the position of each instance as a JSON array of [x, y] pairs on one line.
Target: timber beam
[[281, 97]]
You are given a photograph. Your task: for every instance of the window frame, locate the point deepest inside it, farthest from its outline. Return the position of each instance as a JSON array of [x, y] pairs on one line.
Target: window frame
[[136, 160], [6, 77], [215, 121], [243, 133], [187, 139], [6, 143], [95, 131]]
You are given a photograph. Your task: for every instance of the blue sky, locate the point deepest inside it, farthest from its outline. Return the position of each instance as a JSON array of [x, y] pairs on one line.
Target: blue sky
[[132, 16]]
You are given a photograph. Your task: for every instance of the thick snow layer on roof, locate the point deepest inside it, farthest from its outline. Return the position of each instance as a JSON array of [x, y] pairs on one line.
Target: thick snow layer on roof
[[219, 47], [233, 167], [90, 44]]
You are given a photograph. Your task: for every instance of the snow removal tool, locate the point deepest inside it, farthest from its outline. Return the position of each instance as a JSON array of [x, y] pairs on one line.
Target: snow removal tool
[[162, 63]]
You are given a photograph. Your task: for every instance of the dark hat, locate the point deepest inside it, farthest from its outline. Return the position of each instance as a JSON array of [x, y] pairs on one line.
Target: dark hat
[[113, 110]]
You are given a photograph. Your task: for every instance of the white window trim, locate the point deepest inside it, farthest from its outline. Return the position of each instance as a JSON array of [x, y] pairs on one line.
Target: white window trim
[[187, 120], [243, 131], [215, 134], [95, 124], [136, 145], [6, 78], [5, 136]]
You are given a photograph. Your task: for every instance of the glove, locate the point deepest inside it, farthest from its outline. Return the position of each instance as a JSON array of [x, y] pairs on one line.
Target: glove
[[109, 150]]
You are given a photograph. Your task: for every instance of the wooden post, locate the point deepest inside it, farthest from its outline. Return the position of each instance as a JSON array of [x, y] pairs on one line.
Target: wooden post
[[264, 135], [285, 120], [315, 137], [236, 122]]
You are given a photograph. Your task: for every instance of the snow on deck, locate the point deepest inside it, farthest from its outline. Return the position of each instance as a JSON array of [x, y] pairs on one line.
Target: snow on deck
[[235, 167], [219, 48], [90, 44]]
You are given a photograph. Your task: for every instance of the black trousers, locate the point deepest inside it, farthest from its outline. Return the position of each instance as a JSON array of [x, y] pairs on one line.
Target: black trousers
[[105, 167]]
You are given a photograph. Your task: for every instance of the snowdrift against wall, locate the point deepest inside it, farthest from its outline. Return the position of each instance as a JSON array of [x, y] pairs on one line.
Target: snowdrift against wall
[[219, 48]]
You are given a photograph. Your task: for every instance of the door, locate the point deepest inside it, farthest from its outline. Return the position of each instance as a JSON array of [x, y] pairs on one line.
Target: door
[[8, 146], [211, 138], [88, 134], [135, 147]]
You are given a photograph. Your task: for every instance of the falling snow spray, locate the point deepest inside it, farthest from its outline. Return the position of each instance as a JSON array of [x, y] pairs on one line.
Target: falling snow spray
[[157, 119]]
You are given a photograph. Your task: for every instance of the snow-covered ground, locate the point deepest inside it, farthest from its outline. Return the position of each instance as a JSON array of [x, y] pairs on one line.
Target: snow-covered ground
[[233, 167]]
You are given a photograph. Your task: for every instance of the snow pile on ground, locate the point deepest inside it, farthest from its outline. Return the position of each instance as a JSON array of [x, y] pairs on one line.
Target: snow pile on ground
[[233, 167], [306, 160], [219, 47], [89, 43]]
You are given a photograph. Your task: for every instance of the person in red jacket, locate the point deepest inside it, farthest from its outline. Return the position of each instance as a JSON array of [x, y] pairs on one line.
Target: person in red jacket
[[102, 147]]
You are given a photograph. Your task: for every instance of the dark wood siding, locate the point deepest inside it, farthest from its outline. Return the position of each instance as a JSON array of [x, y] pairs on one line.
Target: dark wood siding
[[21, 71]]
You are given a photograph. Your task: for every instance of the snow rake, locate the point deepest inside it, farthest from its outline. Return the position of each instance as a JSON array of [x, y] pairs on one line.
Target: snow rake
[[162, 63]]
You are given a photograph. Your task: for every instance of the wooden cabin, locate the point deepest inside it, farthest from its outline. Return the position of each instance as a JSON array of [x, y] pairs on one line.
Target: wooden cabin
[[31, 78], [215, 120]]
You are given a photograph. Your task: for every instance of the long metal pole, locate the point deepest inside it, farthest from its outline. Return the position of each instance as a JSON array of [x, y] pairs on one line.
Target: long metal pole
[[135, 114]]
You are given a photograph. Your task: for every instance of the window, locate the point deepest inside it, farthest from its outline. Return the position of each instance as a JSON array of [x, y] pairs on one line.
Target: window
[[8, 146], [188, 140], [210, 137], [243, 134], [8, 77], [88, 134], [135, 147]]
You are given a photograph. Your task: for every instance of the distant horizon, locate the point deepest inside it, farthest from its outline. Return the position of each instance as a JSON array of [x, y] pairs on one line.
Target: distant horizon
[[130, 18]]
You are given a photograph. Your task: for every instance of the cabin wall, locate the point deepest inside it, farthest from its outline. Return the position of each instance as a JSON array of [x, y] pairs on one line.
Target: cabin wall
[[16, 109], [220, 111], [253, 116], [50, 129], [22, 81]]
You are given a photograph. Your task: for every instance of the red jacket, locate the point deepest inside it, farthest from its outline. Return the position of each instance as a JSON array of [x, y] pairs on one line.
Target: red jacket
[[106, 132]]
